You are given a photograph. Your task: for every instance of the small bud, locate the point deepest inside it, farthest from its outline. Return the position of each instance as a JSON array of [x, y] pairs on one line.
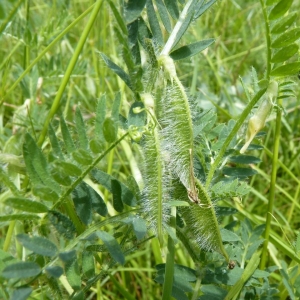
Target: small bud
[[167, 63], [258, 120]]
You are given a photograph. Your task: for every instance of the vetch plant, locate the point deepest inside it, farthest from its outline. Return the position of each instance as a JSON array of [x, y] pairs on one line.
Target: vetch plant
[[80, 216]]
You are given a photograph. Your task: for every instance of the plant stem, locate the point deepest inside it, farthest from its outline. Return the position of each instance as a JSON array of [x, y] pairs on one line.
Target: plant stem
[[173, 37], [272, 188], [73, 61], [169, 267], [268, 38], [233, 132]]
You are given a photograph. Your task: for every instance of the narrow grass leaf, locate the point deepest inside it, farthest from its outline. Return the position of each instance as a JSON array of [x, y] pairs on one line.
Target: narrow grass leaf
[[80, 127], [116, 69], [154, 24], [112, 246], [25, 204], [285, 53], [109, 130], [286, 38], [62, 224], [191, 49], [284, 23], [100, 117], [163, 13], [21, 293], [21, 270], [118, 17], [54, 271], [83, 203], [117, 195], [37, 244], [69, 144], [54, 143], [172, 8], [133, 9], [286, 70], [280, 9], [104, 179]]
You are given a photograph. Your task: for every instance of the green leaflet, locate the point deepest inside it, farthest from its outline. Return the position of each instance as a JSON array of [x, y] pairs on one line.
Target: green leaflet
[[191, 49], [286, 70], [80, 127], [26, 205], [112, 246], [36, 164], [285, 53], [37, 244], [133, 9], [163, 13], [280, 9], [286, 38], [116, 69], [21, 270], [104, 179], [284, 23], [154, 24]]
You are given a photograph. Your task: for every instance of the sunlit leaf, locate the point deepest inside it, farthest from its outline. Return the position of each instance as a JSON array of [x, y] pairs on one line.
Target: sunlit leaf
[[285, 53], [284, 23], [191, 49], [280, 9], [286, 70], [286, 38]]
